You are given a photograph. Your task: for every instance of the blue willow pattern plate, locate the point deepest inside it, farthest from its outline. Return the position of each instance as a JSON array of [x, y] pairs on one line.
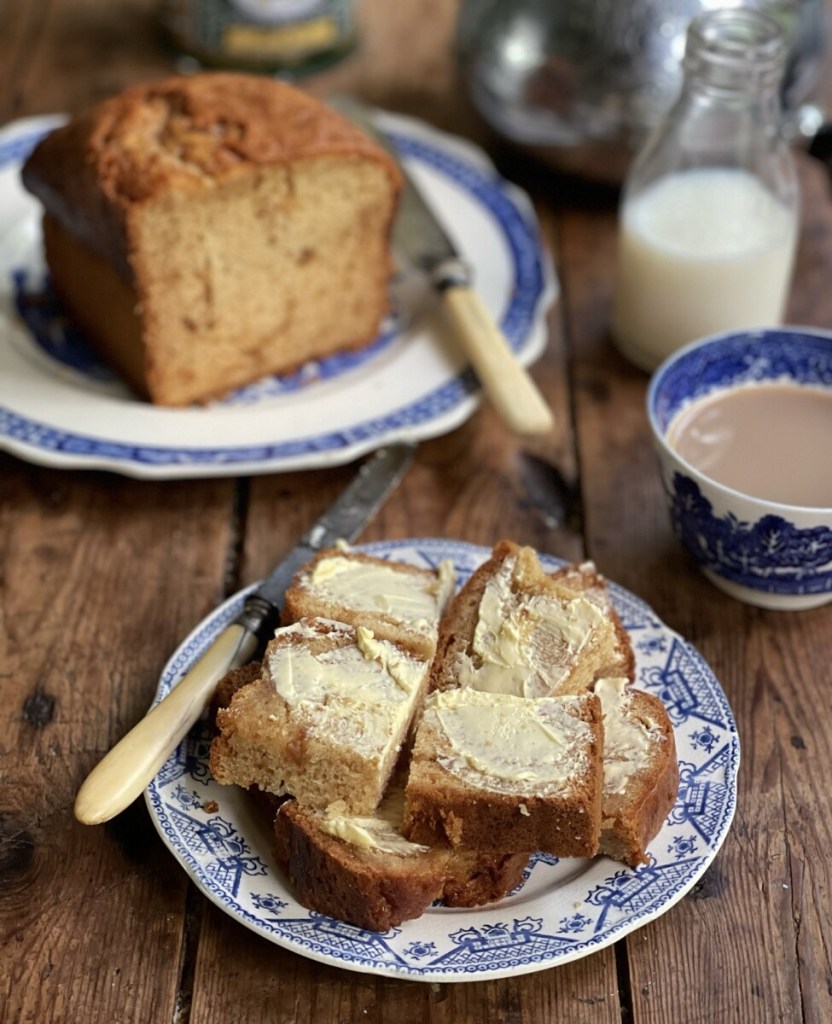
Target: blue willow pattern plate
[[60, 406], [564, 909]]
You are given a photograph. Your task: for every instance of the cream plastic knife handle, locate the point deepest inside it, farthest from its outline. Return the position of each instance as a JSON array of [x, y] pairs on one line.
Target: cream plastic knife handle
[[508, 386], [126, 770]]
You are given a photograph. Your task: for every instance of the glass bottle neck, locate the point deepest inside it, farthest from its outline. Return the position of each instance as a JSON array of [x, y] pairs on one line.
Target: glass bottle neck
[[735, 51]]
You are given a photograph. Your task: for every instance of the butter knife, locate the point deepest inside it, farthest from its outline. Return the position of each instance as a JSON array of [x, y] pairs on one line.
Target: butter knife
[[419, 235], [125, 771]]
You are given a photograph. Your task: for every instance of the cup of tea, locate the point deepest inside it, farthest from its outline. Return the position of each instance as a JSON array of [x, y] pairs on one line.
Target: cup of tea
[[742, 425]]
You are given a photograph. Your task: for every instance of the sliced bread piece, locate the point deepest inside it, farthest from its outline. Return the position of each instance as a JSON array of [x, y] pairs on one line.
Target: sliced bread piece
[[641, 772], [395, 600], [584, 578], [362, 869], [513, 629], [495, 772], [327, 719]]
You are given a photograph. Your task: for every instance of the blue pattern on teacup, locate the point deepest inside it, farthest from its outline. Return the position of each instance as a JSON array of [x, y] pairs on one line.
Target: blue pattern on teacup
[[735, 360], [770, 554]]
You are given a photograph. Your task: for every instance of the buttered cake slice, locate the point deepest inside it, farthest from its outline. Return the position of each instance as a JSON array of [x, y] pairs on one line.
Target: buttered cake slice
[[641, 772], [396, 601], [327, 719], [513, 629], [501, 772], [361, 869]]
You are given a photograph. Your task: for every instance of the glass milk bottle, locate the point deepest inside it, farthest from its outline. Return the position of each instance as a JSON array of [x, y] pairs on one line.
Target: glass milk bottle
[[709, 209]]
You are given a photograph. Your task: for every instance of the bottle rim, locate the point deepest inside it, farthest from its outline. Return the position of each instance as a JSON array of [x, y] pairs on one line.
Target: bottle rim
[[736, 39]]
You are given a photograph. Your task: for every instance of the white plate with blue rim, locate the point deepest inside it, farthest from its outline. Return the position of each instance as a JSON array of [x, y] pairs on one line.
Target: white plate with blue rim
[[60, 406], [563, 910]]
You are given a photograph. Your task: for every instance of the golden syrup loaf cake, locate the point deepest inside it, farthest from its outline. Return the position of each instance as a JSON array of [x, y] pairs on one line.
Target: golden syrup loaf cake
[[327, 719], [514, 629], [206, 230], [641, 770], [393, 599], [362, 870], [495, 772]]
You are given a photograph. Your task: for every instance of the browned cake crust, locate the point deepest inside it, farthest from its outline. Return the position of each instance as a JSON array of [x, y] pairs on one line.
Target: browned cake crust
[[378, 890], [477, 878], [441, 807], [634, 812], [369, 889], [234, 680], [231, 226]]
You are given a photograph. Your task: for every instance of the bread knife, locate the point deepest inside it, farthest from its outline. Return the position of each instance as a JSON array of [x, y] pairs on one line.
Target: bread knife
[[418, 233], [125, 771]]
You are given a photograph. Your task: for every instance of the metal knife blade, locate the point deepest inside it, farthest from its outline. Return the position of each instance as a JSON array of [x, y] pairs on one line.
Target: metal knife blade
[[420, 236], [417, 230], [127, 769], [344, 520]]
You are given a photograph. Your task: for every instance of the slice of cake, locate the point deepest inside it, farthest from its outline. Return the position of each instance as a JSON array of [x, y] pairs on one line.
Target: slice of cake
[[361, 869], [395, 600], [496, 772], [513, 629], [327, 719], [641, 773], [585, 579], [206, 230]]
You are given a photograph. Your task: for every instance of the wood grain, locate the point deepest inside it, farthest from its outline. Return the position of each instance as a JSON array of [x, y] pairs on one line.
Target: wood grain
[[101, 577]]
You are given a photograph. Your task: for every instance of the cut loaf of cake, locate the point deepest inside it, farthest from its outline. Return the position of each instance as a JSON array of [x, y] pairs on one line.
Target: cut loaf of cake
[[496, 772], [206, 230], [514, 629], [641, 771], [395, 600], [327, 719]]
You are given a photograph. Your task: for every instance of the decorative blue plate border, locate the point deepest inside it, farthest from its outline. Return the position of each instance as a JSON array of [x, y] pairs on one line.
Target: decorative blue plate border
[[564, 910], [152, 452]]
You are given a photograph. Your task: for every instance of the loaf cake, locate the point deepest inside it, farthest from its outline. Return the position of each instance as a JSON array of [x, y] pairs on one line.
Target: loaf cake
[[641, 772], [327, 719], [362, 869], [393, 599], [204, 231], [514, 629], [496, 772]]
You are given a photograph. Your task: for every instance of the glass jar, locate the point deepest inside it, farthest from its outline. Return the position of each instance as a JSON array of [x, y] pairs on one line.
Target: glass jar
[[292, 36], [709, 209]]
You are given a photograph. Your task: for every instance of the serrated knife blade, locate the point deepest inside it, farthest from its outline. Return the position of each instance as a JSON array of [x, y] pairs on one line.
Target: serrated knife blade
[[125, 771]]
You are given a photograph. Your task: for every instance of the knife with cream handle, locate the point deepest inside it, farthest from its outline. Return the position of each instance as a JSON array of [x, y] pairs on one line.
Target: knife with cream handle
[[126, 770], [419, 235]]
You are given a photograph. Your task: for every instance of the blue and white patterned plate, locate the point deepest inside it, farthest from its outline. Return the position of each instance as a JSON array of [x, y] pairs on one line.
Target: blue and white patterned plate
[[564, 910], [60, 407]]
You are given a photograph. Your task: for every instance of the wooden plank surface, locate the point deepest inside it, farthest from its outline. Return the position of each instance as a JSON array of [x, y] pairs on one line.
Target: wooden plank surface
[[103, 576]]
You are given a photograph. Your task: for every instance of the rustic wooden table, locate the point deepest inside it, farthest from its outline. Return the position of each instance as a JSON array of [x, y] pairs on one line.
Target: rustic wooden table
[[103, 575]]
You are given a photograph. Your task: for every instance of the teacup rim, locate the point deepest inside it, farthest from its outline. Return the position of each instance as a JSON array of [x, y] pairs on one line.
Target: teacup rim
[[660, 435]]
